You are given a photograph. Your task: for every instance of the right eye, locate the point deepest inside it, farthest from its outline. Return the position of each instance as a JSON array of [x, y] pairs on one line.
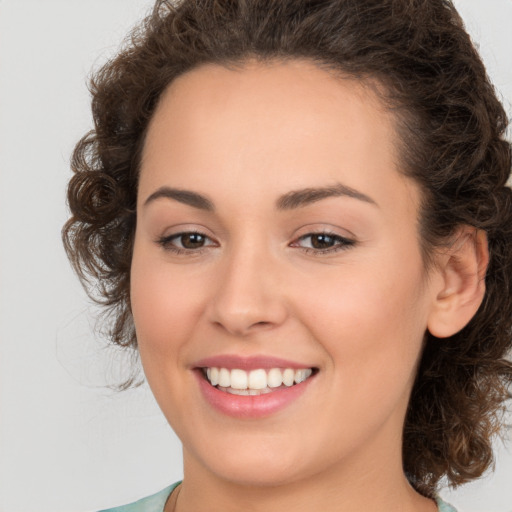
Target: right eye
[[186, 242]]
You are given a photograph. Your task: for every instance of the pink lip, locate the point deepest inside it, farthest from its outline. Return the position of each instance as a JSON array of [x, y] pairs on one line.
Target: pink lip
[[250, 407], [248, 363]]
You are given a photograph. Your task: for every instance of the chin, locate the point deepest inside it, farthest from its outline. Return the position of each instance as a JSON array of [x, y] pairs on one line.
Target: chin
[[258, 473], [255, 463]]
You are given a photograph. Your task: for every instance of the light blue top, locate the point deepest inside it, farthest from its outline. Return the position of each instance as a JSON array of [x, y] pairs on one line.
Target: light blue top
[[153, 503], [156, 503], [444, 507]]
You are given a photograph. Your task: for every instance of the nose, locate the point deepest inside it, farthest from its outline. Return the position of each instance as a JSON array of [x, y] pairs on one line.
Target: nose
[[248, 297]]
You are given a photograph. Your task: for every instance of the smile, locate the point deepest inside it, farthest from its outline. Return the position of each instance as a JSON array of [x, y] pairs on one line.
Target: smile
[[255, 387], [255, 382]]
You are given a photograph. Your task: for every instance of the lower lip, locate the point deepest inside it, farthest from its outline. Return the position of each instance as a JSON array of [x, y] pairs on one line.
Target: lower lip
[[250, 406]]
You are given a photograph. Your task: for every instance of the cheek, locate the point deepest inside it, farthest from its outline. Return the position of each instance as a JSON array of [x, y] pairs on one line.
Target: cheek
[[371, 321], [164, 307]]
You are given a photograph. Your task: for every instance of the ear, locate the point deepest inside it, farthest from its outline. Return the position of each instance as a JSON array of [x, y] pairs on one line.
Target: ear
[[460, 288]]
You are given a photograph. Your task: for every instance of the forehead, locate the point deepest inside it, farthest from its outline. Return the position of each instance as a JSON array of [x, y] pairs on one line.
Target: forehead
[[296, 90], [270, 127], [219, 84]]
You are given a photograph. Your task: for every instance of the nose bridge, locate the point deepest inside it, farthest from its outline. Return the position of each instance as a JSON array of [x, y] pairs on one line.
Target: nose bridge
[[248, 295]]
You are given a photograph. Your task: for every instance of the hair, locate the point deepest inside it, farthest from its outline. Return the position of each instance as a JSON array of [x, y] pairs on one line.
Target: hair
[[451, 129]]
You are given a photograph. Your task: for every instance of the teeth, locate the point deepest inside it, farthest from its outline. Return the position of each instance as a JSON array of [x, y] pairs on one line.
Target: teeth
[[301, 375], [257, 379], [238, 379], [214, 376], [274, 378], [224, 378], [234, 391], [255, 382], [288, 376]]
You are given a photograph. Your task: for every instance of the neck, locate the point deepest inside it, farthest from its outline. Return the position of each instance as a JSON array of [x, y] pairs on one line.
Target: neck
[[355, 484]]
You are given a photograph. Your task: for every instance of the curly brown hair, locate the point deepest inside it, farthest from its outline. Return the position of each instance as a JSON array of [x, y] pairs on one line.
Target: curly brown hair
[[451, 128]]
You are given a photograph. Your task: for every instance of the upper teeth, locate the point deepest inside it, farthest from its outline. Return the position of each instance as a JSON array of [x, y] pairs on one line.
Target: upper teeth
[[256, 379]]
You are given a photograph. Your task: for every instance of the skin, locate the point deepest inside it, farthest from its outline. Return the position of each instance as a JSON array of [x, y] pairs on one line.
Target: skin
[[243, 139]]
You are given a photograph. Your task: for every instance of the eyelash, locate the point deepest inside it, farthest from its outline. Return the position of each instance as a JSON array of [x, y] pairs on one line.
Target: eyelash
[[342, 243], [166, 243]]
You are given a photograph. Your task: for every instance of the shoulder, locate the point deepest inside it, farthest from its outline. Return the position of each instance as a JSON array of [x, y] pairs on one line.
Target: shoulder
[[153, 503], [444, 507]]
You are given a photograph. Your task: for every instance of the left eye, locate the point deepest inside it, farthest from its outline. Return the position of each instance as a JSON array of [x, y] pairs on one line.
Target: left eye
[[185, 241], [323, 242]]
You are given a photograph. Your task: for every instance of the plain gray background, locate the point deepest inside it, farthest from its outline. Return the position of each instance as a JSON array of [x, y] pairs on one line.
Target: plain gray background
[[67, 443]]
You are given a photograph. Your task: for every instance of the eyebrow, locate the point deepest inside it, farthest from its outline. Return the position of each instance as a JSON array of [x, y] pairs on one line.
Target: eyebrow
[[289, 201], [306, 196], [182, 196]]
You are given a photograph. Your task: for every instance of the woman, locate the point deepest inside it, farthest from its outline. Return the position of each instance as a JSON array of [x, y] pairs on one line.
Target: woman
[[298, 214]]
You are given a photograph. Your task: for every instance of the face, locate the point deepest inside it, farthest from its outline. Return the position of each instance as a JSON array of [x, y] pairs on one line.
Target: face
[[276, 234]]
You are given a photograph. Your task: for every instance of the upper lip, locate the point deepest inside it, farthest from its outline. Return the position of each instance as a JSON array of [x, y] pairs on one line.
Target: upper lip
[[256, 362]]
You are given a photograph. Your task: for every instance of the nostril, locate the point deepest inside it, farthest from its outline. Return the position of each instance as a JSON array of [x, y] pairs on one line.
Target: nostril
[[259, 326]]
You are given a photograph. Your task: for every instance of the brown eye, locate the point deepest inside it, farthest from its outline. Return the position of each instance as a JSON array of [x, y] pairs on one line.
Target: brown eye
[[186, 242], [322, 241], [192, 240]]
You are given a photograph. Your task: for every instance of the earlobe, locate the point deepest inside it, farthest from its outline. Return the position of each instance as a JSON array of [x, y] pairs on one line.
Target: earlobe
[[461, 290]]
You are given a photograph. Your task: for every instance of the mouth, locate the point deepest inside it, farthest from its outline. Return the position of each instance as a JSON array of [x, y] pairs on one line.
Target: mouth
[[255, 382], [253, 387]]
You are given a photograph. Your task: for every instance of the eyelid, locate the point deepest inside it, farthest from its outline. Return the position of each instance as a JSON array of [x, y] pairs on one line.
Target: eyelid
[[315, 228], [182, 233], [180, 229], [165, 241], [340, 242]]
